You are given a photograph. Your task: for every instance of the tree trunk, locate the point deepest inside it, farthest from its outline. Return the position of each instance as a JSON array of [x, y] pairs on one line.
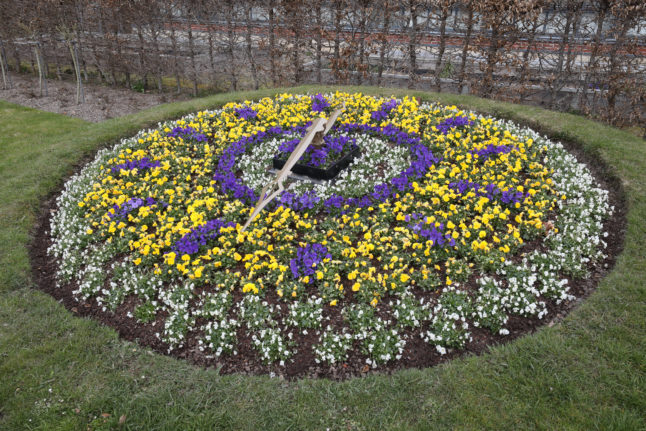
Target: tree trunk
[[556, 81], [338, 9], [294, 14], [250, 56], [319, 38], [80, 27], [57, 62], [16, 57], [231, 48], [412, 45], [191, 50], [173, 42], [142, 58], [592, 68], [492, 54], [384, 41], [525, 68], [465, 49], [441, 48], [4, 66], [361, 69], [154, 32], [272, 43], [614, 70]]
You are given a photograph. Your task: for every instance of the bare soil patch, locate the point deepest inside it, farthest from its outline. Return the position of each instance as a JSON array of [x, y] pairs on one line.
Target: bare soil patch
[[101, 101]]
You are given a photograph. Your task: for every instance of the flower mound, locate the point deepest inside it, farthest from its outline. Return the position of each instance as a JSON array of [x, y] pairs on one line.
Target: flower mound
[[447, 223]]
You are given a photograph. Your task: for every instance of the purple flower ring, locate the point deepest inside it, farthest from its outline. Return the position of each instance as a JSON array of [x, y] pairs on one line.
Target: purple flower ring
[[422, 159]]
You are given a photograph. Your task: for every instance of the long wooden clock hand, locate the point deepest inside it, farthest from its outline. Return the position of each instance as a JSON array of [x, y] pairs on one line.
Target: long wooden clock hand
[[316, 131]]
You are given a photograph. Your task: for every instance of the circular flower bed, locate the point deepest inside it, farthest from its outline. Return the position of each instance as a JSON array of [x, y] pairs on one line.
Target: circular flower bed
[[447, 224]]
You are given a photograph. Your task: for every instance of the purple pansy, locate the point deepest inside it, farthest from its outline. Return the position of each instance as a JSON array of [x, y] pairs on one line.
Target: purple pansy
[[492, 150], [187, 133], [121, 211], [491, 191], [453, 122], [190, 243], [428, 231], [319, 103], [246, 113], [141, 164], [306, 260], [384, 110]]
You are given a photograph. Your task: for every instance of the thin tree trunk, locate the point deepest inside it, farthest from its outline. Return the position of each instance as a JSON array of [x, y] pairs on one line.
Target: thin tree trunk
[[191, 50], [296, 43], [492, 54], [441, 49], [42, 77], [16, 57], [556, 82], [6, 82], [384, 41], [319, 42], [142, 58], [592, 68], [211, 56], [80, 27], [43, 58], [525, 68], [57, 62], [362, 45], [465, 50], [250, 56], [337, 31], [80, 95], [231, 48], [412, 45], [272, 43], [155, 37], [80, 88], [173, 41]]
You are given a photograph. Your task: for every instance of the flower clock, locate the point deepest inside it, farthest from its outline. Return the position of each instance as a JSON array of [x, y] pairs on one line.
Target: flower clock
[[446, 228]]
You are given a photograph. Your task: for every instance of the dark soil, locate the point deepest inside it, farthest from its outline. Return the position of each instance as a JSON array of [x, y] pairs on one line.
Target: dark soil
[[101, 101], [417, 353]]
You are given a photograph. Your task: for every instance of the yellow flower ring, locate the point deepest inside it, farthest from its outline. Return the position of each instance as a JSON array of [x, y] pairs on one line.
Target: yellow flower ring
[[447, 223]]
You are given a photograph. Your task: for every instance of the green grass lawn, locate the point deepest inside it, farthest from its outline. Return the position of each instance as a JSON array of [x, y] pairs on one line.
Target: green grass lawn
[[58, 371]]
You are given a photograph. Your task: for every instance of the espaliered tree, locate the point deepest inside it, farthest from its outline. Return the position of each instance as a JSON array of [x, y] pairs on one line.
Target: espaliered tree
[[383, 31], [567, 54], [621, 60], [588, 98], [500, 21], [467, 22], [294, 13], [441, 10], [411, 17], [566, 27], [531, 26]]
